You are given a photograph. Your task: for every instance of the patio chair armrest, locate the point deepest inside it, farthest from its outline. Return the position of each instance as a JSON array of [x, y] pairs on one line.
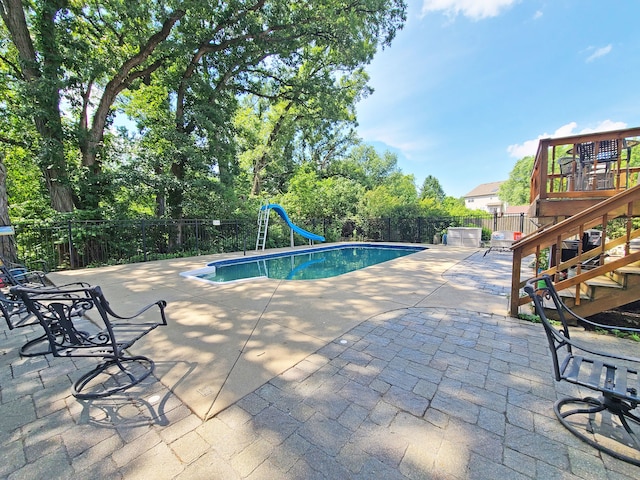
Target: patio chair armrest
[[29, 276], [160, 303], [567, 315], [578, 345], [584, 321]]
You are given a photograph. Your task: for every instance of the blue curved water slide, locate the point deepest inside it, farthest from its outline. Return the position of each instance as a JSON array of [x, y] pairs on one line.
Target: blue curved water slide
[[300, 231]]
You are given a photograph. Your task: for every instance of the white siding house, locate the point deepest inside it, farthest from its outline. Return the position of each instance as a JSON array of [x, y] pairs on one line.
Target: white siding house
[[485, 197]]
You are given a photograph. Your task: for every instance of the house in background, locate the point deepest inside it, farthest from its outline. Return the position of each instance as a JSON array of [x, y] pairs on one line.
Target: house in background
[[485, 197]]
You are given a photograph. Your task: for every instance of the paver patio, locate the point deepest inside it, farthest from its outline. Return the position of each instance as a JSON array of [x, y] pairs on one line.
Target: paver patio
[[409, 369]]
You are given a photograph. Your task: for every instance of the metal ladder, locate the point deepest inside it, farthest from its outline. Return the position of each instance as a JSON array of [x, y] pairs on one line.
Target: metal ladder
[[263, 226]]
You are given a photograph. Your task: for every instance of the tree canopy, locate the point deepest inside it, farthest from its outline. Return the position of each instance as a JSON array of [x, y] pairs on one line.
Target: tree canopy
[[71, 62], [186, 109]]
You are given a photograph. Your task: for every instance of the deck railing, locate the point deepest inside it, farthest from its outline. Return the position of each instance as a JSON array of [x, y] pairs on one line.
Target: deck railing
[[594, 165]]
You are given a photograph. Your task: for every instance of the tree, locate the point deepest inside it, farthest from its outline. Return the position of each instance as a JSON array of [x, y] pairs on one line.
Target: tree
[[364, 165], [37, 67], [299, 62], [7, 243], [515, 191], [396, 197], [85, 55], [431, 189], [310, 196], [310, 120], [72, 61]]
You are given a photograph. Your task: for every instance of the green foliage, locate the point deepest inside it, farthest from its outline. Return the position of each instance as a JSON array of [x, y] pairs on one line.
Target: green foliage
[[515, 191], [431, 189], [396, 197], [235, 102], [27, 195], [365, 166], [618, 227], [619, 333], [181, 70], [310, 196], [529, 317]]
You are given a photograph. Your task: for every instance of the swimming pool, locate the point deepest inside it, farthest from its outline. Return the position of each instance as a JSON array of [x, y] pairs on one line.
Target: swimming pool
[[308, 264]]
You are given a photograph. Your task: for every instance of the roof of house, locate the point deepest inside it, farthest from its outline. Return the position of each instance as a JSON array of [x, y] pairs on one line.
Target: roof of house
[[484, 190], [517, 209]]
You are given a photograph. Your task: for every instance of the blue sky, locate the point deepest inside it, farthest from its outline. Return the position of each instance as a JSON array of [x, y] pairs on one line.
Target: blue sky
[[469, 86]]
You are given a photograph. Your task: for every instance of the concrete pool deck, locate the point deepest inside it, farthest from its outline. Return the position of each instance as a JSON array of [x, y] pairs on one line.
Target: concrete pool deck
[[409, 369], [224, 341]]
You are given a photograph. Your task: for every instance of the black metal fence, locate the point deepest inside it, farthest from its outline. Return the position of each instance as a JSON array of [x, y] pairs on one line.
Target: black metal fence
[[79, 244]]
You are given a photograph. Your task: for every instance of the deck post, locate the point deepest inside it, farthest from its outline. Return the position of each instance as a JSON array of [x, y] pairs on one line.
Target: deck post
[[514, 301]]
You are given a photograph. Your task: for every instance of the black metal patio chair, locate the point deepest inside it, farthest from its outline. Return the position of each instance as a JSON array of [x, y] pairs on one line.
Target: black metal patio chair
[[65, 313], [12, 307], [22, 276], [609, 423], [17, 315]]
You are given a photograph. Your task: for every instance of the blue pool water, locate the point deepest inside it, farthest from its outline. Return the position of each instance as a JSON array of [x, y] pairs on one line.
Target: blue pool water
[[309, 264]]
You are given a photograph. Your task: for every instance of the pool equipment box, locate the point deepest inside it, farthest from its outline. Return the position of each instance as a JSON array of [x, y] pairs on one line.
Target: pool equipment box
[[464, 236]]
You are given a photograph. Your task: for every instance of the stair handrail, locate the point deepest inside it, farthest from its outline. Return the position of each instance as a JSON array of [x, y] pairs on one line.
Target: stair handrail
[[599, 214]]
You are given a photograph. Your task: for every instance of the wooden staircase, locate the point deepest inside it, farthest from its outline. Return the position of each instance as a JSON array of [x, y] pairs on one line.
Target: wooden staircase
[[611, 290], [614, 282]]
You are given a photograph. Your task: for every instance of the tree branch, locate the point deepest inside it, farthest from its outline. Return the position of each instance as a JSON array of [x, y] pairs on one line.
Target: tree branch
[[123, 80]]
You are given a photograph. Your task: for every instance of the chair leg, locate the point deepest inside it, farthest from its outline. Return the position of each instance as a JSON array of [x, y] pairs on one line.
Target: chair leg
[[26, 349], [124, 366], [591, 406]]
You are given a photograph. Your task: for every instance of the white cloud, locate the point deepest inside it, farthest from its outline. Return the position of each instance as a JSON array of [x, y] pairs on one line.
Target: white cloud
[[530, 147], [599, 52], [537, 15], [605, 126], [404, 140], [474, 9]]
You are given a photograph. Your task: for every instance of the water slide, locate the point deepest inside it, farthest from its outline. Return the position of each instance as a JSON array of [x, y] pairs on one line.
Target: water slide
[[300, 231]]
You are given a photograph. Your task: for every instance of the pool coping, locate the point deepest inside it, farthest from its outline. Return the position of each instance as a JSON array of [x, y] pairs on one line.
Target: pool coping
[[212, 266]]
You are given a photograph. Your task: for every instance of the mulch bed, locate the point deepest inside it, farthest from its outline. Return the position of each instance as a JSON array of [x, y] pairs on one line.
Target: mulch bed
[[625, 316]]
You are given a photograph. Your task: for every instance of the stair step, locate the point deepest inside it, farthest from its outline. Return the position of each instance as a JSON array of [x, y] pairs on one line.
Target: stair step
[[631, 269], [603, 281], [571, 293]]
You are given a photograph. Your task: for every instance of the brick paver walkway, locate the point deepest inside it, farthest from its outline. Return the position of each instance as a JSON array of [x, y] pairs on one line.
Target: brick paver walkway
[[415, 393]]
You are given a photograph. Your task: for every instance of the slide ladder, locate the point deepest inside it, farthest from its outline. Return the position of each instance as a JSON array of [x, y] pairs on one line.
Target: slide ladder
[[263, 226]]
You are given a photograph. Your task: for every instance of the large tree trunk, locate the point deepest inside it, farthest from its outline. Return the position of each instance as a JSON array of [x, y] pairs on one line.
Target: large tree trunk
[[43, 84], [7, 242]]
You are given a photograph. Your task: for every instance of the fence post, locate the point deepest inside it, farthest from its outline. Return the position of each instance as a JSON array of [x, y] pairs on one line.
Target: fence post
[[144, 240], [69, 233], [522, 222], [197, 245], [388, 229]]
